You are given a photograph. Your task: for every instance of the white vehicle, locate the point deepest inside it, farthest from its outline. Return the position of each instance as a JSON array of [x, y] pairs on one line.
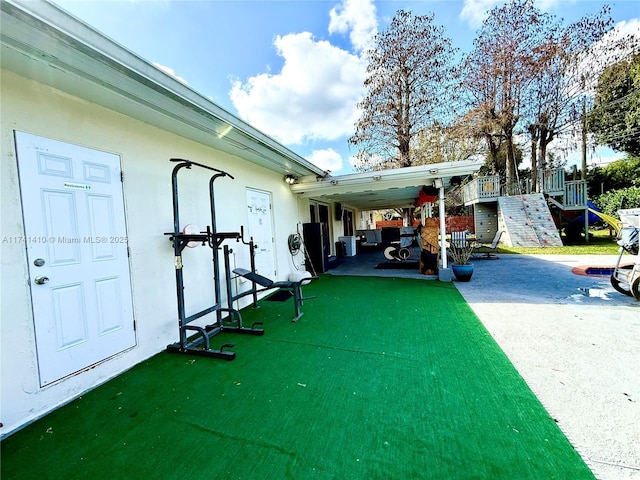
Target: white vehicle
[[626, 276]]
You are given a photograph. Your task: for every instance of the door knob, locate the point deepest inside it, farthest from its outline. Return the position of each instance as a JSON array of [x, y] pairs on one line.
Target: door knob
[[41, 280]]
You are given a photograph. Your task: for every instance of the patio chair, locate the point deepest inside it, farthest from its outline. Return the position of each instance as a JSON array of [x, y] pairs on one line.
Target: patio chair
[[488, 250]]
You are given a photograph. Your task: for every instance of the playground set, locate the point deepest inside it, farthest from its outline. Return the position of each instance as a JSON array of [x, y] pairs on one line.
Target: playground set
[[527, 219]]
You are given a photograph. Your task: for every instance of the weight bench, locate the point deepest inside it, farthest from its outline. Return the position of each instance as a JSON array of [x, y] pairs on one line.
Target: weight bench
[[295, 287]]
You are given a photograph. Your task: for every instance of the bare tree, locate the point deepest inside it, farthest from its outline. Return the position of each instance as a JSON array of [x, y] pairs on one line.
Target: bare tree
[[446, 143], [527, 72], [497, 73], [561, 83], [408, 73]]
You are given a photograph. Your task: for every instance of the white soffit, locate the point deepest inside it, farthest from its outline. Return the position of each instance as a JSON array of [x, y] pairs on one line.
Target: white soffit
[[385, 188]]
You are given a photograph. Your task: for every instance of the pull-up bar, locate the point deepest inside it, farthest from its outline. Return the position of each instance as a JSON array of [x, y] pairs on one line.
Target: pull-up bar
[[188, 163], [201, 344]]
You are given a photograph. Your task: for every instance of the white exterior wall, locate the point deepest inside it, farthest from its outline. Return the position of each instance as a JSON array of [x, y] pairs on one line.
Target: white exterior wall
[[144, 151]]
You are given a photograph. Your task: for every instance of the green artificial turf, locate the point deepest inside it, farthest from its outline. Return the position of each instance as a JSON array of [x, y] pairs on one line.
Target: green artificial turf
[[381, 378]]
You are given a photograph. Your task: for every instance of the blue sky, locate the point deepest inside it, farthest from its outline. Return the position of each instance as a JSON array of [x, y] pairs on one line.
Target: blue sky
[[291, 68]]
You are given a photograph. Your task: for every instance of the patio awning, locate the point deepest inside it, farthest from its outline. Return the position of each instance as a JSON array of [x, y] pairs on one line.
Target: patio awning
[[394, 188]]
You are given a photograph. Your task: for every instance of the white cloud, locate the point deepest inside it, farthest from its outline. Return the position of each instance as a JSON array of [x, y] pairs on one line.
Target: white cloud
[[353, 161], [610, 49], [627, 28], [358, 18], [313, 97], [171, 72], [327, 159], [475, 11], [548, 5]]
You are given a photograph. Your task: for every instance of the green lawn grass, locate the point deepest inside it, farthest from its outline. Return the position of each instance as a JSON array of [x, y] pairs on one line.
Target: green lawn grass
[[600, 243]]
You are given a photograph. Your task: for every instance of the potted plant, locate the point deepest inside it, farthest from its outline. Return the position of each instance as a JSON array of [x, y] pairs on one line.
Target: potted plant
[[460, 255]]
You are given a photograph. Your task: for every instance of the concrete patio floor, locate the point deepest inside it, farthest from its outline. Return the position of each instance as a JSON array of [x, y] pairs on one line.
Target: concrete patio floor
[[573, 338]]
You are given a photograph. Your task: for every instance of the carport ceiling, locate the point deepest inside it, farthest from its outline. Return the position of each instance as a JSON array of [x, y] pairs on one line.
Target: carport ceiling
[[370, 200], [396, 188]]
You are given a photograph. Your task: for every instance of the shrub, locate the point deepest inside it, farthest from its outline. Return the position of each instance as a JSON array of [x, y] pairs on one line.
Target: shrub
[[615, 200]]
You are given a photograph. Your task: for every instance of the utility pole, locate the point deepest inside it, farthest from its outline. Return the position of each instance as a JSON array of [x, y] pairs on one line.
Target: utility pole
[[583, 176], [584, 139]]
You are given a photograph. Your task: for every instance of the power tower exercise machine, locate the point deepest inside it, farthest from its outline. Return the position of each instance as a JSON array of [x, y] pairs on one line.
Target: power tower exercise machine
[[199, 343]]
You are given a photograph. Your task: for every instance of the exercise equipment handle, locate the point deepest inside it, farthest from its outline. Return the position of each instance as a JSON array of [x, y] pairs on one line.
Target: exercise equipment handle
[[190, 162]]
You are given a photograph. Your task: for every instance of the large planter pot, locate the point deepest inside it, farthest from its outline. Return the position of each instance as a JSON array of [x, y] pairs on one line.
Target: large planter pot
[[462, 272]]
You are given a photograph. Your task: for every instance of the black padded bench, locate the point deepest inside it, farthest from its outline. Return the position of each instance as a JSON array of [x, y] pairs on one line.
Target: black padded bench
[[294, 287]]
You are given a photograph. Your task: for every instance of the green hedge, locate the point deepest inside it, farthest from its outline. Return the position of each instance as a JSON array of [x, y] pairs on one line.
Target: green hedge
[[615, 200]]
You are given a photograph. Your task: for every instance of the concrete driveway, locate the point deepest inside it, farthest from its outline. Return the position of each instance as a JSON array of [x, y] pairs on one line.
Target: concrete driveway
[[576, 342]]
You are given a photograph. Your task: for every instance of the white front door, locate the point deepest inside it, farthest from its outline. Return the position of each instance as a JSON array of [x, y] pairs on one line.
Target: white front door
[[261, 230], [76, 242]]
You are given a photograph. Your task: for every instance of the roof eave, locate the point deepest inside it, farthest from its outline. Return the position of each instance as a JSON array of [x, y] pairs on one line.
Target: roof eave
[[43, 42]]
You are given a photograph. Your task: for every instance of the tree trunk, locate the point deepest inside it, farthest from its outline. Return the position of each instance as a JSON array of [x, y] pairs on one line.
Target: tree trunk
[[584, 140], [545, 139], [510, 170], [404, 147], [493, 153], [533, 132]]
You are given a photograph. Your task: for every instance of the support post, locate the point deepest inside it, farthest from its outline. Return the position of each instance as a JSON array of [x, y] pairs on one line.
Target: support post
[[444, 273], [586, 224]]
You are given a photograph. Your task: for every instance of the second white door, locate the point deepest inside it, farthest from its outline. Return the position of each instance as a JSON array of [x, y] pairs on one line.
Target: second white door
[[261, 230]]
